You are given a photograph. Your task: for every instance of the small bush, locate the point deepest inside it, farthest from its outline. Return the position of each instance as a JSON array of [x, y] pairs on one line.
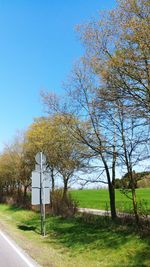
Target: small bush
[[17, 199], [63, 207], [9, 200]]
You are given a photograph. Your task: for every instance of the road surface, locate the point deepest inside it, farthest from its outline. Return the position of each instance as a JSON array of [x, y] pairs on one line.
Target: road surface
[[106, 213], [11, 255]]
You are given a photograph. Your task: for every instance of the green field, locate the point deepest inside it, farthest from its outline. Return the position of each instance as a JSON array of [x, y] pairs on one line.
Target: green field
[[99, 199], [77, 241]]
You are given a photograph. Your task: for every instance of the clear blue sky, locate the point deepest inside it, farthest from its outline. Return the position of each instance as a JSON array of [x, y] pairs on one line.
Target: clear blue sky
[[38, 46]]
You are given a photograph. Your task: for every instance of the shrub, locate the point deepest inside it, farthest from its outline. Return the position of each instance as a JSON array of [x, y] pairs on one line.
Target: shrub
[[17, 199], [64, 207]]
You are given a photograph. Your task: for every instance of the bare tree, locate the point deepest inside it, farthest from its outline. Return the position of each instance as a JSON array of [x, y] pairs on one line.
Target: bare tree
[[133, 137], [89, 127]]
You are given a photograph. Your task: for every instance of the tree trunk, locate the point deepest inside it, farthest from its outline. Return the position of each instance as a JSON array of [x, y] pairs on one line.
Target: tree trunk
[[130, 172], [135, 206], [1, 194], [53, 181], [112, 201], [53, 187], [25, 195], [111, 188], [65, 189], [135, 209]]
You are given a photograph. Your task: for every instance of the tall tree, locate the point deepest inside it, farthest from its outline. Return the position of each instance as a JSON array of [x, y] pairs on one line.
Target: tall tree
[[114, 69], [63, 152], [118, 50], [90, 128], [15, 169]]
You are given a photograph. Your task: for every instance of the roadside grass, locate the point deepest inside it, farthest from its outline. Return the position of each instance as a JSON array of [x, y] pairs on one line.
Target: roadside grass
[[99, 199], [82, 241]]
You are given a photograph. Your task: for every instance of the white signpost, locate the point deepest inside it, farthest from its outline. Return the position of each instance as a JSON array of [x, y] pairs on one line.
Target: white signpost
[[41, 187], [36, 188]]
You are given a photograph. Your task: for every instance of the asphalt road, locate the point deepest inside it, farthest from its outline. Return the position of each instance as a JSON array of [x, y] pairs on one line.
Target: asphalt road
[[11, 255]]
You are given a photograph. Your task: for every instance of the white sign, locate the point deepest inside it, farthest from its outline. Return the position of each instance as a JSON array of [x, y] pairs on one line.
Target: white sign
[[41, 187], [38, 167], [36, 196], [40, 157], [36, 179], [46, 180], [46, 197], [44, 185]]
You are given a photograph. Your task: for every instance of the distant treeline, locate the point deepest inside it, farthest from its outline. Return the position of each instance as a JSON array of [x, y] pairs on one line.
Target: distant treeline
[[141, 180]]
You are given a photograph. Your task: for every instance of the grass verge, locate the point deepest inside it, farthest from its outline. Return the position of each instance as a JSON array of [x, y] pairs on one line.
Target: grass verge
[[81, 241]]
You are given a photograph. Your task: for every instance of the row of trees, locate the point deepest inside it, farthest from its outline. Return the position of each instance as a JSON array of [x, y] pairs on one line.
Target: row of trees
[[64, 157], [108, 92], [141, 179], [104, 116]]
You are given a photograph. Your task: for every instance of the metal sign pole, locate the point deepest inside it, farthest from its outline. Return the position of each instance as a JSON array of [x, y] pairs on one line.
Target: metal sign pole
[[41, 208], [42, 196], [44, 230]]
